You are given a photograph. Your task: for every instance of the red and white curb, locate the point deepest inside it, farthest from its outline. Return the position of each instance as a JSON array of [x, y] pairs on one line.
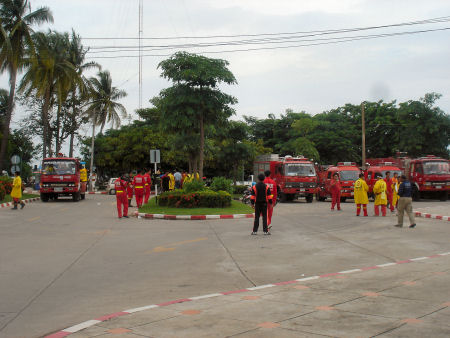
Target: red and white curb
[[141, 215], [89, 323], [433, 216], [28, 200]]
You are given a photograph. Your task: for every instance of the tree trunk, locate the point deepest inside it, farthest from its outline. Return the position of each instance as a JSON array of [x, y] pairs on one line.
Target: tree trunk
[[92, 149], [73, 128], [72, 136], [58, 138], [45, 124], [202, 146], [7, 120]]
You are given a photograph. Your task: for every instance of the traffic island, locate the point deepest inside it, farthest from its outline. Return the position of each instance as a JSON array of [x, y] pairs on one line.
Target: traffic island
[[153, 211], [26, 200]]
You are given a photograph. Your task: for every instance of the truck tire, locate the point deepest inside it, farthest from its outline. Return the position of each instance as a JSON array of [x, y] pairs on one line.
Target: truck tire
[[283, 197], [343, 199], [444, 196], [320, 198], [415, 194], [309, 198], [76, 196], [82, 196], [44, 197]]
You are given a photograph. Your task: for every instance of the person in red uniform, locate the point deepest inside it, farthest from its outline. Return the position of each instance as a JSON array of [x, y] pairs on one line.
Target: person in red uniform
[[138, 183], [335, 192], [261, 197], [273, 188], [389, 191], [148, 185], [120, 185], [130, 188]]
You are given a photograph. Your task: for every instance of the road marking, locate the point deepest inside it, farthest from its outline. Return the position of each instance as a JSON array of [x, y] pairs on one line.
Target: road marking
[[169, 247], [34, 219]]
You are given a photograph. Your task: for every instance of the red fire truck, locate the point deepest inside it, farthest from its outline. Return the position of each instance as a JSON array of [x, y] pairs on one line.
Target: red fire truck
[[295, 176], [430, 175], [60, 176], [379, 166], [348, 173]]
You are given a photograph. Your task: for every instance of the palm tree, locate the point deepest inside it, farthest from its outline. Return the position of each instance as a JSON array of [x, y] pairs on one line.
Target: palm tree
[[16, 19], [49, 75], [103, 107], [80, 91]]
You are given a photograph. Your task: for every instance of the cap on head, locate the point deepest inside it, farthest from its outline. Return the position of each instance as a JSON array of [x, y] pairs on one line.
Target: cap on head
[[261, 177]]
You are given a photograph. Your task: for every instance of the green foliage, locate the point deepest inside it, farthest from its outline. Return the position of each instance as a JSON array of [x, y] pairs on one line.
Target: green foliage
[[221, 184], [239, 189], [5, 186], [193, 186], [199, 199]]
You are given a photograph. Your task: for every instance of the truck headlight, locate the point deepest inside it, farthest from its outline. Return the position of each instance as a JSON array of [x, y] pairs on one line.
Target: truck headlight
[[427, 183]]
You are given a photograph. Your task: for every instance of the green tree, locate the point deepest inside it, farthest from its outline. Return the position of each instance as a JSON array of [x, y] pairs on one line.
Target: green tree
[[194, 100], [16, 20]]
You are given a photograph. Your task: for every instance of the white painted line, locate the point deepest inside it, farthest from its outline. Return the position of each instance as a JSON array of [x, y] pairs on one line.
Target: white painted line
[[307, 278], [143, 308], [82, 326], [261, 287], [206, 296], [445, 254], [386, 264], [350, 271], [418, 259]]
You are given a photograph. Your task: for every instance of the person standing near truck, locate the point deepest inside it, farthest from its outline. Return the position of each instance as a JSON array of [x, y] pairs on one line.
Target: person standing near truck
[[129, 180], [389, 194], [148, 185], [360, 194], [83, 178], [335, 188], [405, 203], [120, 185], [273, 188], [16, 192], [395, 186], [379, 189], [138, 183], [261, 196]]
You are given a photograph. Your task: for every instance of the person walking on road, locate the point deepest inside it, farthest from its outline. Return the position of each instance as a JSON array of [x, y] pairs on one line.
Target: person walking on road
[[335, 192], [16, 192], [405, 202], [261, 196], [120, 185], [379, 189], [138, 183], [273, 188], [389, 192], [360, 194], [148, 185]]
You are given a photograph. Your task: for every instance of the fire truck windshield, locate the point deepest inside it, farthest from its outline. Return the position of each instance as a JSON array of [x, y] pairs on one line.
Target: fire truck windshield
[[436, 168], [58, 168], [349, 175], [299, 169]]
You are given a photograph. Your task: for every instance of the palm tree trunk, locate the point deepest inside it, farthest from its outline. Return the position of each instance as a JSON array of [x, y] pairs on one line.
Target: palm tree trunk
[[45, 136], [73, 125], [58, 138], [92, 150], [7, 120], [202, 146]]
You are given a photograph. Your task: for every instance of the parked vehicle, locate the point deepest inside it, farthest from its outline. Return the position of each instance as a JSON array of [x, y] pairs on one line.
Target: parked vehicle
[[381, 168], [348, 173], [60, 176], [111, 186], [295, 176]]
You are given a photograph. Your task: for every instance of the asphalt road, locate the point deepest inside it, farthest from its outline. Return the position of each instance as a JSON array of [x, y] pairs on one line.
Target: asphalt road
[[62, 263]]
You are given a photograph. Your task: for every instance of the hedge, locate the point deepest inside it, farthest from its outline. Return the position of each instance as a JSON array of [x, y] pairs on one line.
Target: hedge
[[5, 186], [239, 189], [198, 199]]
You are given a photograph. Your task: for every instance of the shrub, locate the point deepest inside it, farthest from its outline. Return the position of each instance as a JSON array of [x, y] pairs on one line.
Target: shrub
[[222, 184], [193, 186], [2, 193], [6, 183], [239, 189], [206, 198]]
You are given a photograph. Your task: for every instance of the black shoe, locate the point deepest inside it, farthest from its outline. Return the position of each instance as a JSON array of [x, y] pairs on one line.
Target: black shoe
[[413, 225], [399, 225], [125, 216], [253, 233], [267, 233]]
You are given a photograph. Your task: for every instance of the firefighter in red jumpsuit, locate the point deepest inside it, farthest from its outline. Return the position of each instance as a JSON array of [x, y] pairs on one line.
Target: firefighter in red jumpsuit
[[120, 185], [273, 188], [335, 192], [130, 189], [148, 185], [138, 182], [389, 191]]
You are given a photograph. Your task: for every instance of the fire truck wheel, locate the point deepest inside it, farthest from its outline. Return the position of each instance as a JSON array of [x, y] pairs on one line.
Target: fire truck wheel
[[83, 196], [44, 197], [343, 199], [76, 196], [415, 194], [444, 196], [283, 197], [309, 198], [320, 198]]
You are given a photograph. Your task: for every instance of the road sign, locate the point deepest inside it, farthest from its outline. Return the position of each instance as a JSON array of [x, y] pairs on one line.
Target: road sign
[[155, 156], [15, 159], [14, 168]]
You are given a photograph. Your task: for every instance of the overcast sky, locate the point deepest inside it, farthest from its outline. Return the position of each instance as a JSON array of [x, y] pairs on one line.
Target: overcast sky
[[310, 78]]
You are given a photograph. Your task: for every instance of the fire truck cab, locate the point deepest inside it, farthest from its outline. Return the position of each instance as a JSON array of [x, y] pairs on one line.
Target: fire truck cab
[[295, 176], [348, 173], [60, 176]]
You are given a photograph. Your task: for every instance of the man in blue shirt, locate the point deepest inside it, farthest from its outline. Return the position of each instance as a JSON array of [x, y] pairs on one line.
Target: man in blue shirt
[[405, 202]]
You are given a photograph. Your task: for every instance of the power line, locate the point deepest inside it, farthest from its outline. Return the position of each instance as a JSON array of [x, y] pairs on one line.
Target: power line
[[341, 40]]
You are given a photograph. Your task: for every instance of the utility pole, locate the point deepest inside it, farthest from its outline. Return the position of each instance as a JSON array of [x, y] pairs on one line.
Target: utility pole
[[141, 30], [363, 127]]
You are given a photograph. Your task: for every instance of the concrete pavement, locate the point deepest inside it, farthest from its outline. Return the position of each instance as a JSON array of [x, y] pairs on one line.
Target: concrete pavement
[[63, 263]]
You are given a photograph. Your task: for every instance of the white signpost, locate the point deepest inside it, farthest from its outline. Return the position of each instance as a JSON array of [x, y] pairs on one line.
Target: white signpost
[[15, 161], [155, 157]]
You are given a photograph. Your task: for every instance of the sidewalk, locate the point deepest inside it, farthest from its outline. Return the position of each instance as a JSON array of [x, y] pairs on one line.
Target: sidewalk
[[410, 298]]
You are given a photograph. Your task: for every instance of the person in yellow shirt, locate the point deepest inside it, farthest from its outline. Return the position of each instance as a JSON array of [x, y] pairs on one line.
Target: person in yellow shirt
[[16, 192], [83, 178], [360, 190], [171, 181], [379, 190], [395, 185]]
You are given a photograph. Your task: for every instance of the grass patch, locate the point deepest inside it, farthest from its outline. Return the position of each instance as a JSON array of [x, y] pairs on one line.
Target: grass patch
[[236, 208], [24, 197]]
